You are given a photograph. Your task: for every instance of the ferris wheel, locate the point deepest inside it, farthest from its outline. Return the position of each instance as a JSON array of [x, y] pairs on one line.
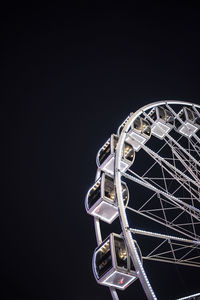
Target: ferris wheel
[[148, 176]]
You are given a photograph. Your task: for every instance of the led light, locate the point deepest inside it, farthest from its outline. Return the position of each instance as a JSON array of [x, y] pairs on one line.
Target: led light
[[135, 139], [98, 209], [106, 267], [100, 200], [116, 280], [162, 236], [187, 129], [106, 212], [159, 129], [109, 166], [106, 156], [123, 166], [189, 297], [163, 121]]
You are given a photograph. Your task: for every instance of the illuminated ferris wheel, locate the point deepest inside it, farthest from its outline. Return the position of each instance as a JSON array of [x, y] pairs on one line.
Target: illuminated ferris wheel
[[148, 176]]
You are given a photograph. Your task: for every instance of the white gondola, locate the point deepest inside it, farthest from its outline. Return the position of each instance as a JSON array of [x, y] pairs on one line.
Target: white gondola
[[139, 133], [106, 156], [112, 265], [168, 198], [163, 121], [188, 122], [101, 199]]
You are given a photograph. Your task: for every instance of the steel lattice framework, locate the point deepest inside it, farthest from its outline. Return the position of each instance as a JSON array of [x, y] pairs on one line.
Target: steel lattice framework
[[165, 139]]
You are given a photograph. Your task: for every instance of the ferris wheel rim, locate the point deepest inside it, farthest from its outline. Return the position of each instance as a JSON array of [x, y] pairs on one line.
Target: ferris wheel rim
[[126, 231], [122, 214]]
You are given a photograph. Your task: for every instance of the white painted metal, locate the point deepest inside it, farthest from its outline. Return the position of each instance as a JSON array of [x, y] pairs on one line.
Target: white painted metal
[[192, 297], [122, 210], [99, 239], [191, 185]]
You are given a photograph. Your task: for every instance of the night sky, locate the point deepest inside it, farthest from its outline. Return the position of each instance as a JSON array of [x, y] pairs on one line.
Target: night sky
[[69, 77]]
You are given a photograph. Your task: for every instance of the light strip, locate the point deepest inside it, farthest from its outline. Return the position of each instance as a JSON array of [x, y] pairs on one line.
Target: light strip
[[119, 286], [189, 297], [162, 236]]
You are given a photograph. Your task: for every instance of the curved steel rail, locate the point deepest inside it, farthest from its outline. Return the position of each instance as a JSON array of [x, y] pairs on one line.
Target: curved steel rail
[[122, 214]]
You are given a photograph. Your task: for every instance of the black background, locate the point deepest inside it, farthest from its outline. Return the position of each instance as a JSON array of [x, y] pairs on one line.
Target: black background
[[69, 77]]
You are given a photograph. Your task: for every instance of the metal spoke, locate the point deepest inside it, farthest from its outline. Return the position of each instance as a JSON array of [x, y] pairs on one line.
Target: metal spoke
[[165, 187]]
